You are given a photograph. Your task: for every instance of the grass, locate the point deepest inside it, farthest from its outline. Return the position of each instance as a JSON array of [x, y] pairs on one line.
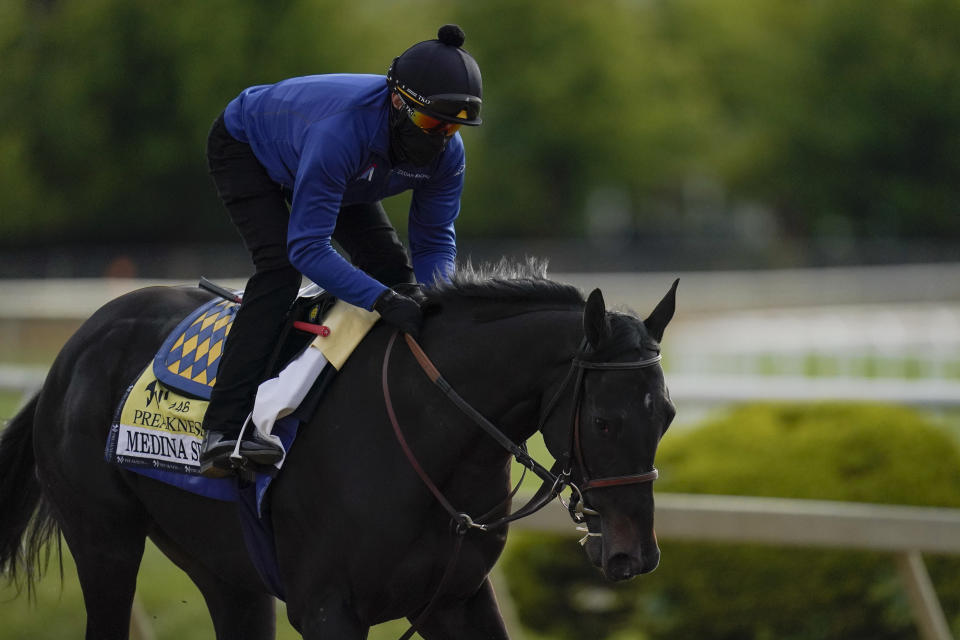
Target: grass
[[9, 403]]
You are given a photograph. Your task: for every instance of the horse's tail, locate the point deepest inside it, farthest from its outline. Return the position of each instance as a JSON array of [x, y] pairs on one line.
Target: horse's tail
[[26, 520]]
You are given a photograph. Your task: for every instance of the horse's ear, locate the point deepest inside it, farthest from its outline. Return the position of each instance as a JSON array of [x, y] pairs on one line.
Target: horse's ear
[[660, 318], [595, 323]]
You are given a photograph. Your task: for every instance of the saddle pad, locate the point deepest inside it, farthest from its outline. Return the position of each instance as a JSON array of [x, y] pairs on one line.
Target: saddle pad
[[155, 426], [190, 356], [157, 432]]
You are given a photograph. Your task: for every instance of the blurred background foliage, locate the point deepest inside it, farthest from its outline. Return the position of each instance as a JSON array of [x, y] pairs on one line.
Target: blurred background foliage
[[765, 120]]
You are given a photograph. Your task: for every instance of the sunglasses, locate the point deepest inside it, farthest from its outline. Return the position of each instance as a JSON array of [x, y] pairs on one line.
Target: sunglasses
[[430, 124]]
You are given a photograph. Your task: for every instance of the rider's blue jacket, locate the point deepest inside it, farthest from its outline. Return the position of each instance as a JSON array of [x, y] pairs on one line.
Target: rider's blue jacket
[[326, 138]]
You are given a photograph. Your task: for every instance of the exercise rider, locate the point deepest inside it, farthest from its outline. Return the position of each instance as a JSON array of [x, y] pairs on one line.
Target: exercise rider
[[309, 159]]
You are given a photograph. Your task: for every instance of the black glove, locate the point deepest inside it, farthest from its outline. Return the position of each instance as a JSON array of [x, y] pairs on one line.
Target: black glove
[[399, 311], [413, 290]]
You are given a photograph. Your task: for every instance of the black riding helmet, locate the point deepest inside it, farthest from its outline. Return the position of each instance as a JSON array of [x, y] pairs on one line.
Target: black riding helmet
[[439, 78]]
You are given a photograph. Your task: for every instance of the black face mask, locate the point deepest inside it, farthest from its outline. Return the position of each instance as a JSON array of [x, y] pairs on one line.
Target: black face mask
[[409, 144]]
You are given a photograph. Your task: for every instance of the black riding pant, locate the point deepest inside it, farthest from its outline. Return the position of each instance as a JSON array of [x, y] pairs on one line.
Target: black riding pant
[[258, 208]]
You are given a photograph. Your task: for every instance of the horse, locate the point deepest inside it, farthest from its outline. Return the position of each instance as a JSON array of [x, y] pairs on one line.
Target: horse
[[360, 538]]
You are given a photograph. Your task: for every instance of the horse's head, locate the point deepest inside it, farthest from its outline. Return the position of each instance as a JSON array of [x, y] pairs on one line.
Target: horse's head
[[622, 409]]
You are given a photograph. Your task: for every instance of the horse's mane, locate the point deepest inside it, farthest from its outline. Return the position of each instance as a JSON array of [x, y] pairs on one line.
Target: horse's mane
[[507, 281], [522, 285]]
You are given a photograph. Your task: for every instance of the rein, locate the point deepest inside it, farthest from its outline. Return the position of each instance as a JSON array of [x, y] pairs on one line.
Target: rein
[[462, 521], [553, 483]]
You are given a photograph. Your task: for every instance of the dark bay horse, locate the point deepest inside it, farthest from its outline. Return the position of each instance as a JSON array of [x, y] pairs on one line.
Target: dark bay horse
[[360, 540]]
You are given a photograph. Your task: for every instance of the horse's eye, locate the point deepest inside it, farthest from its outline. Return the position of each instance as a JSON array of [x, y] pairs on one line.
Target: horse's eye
[[602, 426]]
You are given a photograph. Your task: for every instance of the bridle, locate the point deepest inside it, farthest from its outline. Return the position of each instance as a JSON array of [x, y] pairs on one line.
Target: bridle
[[588, 483], [553, 483]]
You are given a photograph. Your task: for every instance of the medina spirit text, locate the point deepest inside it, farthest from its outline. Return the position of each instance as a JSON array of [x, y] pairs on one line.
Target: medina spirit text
[[161, 445]]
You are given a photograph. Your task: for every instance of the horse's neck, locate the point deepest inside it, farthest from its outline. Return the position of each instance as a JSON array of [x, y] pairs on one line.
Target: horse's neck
[[509, 365], [502, 368]]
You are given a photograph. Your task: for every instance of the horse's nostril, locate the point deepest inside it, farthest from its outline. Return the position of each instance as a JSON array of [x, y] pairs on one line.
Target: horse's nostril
[[623, 567]]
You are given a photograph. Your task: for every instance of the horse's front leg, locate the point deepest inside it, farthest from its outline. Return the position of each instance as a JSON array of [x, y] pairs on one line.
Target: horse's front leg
[[477, 618]]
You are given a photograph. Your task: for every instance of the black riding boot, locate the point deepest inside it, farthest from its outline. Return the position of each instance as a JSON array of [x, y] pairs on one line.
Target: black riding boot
[[243, 366], [257, 208], [218, 446]]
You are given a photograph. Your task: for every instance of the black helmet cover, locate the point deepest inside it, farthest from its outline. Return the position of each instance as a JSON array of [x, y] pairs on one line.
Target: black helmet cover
[[439, 78]]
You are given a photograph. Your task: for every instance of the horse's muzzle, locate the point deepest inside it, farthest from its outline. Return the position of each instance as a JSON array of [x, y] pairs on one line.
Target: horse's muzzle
[[624, 566], [621, 559]]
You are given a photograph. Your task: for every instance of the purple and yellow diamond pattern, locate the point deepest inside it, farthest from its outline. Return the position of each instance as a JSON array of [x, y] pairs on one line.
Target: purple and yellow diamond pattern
[[189, 358]]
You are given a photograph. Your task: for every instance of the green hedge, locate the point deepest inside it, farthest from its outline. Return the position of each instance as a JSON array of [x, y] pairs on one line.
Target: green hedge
[[861, 453]]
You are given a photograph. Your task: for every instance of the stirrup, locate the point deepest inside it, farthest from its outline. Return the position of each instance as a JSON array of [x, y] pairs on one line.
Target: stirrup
[[219, 466], [269, 454]]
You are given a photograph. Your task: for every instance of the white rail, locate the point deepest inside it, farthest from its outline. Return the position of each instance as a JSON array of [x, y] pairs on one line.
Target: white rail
[[23, 379], [705, 390]]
